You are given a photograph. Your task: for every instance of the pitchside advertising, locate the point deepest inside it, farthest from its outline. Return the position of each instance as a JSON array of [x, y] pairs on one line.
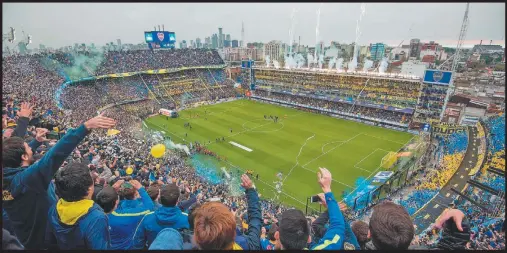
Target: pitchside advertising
[[160, 39], [434, 76]]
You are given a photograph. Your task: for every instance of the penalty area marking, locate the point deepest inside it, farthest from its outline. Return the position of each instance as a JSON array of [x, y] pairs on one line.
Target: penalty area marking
[[240, 146]]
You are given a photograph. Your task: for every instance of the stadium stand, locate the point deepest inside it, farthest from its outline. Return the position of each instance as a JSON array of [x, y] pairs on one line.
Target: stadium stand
[[194, 207]]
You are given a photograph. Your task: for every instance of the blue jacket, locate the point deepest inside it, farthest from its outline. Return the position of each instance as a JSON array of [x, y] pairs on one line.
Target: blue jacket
[[334, 236], [79, 225], [124, 220], [253, 236], [27, 187], [153, 222]]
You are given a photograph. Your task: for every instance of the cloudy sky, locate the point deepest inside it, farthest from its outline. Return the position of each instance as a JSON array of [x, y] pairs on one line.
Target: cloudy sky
[[60, 24]]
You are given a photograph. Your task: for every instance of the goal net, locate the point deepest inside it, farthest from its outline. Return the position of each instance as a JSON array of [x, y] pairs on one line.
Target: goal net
[[389, 160]]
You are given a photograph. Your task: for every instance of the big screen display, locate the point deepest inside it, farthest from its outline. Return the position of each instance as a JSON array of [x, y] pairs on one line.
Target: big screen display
[[161, 37]]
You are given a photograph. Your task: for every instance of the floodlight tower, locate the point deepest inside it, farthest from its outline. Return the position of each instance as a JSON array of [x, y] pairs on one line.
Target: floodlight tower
[[457, 56]]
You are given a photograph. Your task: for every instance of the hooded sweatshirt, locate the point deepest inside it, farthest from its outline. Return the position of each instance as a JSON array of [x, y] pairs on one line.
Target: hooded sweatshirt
[[153, 222], [79, 225], [124, 220], [28, 187]]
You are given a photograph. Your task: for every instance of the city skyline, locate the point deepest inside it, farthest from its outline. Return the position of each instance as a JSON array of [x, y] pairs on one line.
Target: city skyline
[[128, 22]]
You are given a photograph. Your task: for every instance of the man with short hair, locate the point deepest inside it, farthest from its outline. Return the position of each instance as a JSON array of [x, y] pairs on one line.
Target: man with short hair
[[294, 231], [166, 216], [76, 222], [25, 183], [126, 214], [361, 231], [391, 227]]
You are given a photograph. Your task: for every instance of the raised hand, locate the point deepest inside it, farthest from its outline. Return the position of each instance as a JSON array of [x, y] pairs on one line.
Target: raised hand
[[322, 199], [99, 122], [246, 182], [118, 184], [324, 178], [454, 214], [25, 110], [136, 184], [40, 134]]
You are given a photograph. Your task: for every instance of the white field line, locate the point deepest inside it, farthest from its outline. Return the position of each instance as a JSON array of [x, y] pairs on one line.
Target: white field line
[[240, 146], [328, 144], [344, 142], [383, 138], [378, 168], [297, 157], [364, 158]]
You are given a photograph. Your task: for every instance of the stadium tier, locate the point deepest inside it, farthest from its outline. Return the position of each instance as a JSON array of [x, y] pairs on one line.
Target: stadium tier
[[160, 149]]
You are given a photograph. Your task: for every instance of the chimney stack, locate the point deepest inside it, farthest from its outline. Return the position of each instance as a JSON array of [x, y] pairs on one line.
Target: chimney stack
[[480, 43]]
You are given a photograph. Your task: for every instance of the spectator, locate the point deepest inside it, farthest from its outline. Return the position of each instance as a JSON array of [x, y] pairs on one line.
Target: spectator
[[361, 231], [390, 228], [76, 222], [25, 180], [215, 226], [154, 192], [294, 231], [268, 243], [167, 216], [125, 217]]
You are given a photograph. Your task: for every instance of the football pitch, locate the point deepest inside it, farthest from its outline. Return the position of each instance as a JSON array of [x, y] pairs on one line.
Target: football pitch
[[297, 145]]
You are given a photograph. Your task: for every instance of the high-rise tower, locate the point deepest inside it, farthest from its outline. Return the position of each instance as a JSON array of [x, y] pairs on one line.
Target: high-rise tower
[[242, 43]]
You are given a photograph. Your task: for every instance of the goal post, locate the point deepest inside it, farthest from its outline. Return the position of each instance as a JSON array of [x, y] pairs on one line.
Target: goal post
[[388, 160]]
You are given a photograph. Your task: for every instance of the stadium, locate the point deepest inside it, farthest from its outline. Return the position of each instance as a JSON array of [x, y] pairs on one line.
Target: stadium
[[182, 122]]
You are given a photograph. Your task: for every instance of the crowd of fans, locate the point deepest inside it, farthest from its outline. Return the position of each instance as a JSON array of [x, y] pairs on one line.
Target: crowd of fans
[[85, 189], [141, 60], [378, 114], [384, 91]]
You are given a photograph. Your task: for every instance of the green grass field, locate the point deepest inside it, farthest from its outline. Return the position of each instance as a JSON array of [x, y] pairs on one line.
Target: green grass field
[[297, 145]]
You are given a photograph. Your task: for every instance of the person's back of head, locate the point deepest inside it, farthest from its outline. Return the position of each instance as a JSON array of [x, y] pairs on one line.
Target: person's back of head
[[128, 191], [153, 191], [391, 227], [169, 195], [107, 199], [192, 210], [272, 231], [73, 182], [214, 227], [361, 231], [293, 232]]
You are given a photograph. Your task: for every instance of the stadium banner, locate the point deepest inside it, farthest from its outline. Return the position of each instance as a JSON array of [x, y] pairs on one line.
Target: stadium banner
[[446, 129], [434, 76], [382, 176]]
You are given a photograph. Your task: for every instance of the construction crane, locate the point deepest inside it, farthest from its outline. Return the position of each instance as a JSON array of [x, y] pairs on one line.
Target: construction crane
[[9, 36], [456, 58]]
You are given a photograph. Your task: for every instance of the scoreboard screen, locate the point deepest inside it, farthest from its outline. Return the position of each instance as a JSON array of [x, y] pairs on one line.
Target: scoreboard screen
[[161, 37]]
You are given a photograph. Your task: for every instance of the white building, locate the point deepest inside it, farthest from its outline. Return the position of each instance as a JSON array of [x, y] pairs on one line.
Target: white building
[[274, 50], [414, 68]]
